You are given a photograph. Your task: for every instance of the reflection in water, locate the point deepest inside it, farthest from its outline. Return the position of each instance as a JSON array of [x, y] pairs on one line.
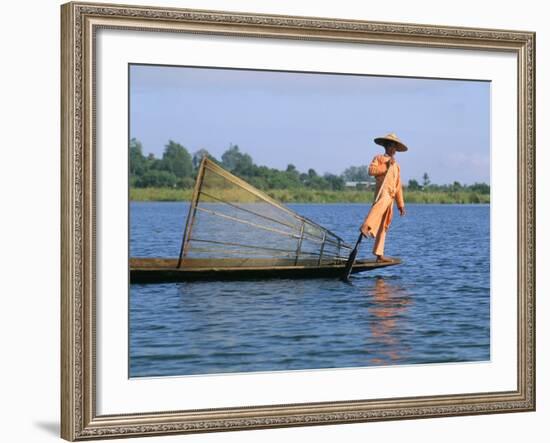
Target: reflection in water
[[389, 304]]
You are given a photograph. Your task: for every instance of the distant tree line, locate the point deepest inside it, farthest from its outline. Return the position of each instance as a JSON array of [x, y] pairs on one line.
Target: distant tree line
[[177, 168], [428, 186]]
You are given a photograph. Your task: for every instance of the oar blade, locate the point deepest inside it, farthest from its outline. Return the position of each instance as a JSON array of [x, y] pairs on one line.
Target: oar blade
[[351, 260]]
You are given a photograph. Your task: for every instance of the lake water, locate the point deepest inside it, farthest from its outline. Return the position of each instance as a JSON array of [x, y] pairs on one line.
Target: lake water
[[434, 308]]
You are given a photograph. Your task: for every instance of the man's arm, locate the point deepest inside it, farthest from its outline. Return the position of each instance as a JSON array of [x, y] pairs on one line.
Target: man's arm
[[399, 195], [378, 167]]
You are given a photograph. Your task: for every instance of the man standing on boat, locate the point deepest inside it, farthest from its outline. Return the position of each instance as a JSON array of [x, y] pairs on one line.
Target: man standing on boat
[[388, 188]]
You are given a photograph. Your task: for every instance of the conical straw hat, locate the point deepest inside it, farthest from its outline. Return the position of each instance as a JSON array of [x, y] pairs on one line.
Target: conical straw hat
[[391, 138]]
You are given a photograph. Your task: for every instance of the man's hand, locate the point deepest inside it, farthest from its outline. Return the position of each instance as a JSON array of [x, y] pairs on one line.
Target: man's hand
[[402, 211]]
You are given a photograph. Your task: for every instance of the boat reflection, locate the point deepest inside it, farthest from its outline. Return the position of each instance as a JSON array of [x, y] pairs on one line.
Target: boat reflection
[[389, 304]]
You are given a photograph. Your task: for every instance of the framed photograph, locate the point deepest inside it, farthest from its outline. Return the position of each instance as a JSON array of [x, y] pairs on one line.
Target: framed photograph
[[275, 221]]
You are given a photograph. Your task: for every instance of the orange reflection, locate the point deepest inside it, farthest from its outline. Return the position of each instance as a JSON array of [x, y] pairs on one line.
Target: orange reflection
[[390, 301]]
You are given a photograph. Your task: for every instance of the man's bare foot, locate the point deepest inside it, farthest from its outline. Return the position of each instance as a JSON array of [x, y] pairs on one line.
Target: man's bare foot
[[382, 259]]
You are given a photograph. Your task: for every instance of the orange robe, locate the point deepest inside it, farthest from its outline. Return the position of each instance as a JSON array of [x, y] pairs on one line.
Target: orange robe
[[380, 215]]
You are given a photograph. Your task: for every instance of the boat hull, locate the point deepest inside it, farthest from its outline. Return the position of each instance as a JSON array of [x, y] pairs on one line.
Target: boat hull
[[165, 270]]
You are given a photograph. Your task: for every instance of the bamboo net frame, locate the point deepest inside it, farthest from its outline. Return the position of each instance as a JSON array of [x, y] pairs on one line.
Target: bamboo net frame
[[230, 217]]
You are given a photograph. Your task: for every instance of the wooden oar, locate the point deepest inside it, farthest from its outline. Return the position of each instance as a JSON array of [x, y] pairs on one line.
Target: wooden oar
[[353, 254], [351, 259]]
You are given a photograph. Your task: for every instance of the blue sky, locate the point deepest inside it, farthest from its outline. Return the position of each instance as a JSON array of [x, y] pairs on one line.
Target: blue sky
[[322, 121]]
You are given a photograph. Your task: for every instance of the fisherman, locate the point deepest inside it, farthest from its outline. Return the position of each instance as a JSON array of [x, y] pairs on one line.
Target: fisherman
[[388, 188]]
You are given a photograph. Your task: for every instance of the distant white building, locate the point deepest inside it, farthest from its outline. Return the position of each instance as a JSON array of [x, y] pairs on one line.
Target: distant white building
[[361, 184]]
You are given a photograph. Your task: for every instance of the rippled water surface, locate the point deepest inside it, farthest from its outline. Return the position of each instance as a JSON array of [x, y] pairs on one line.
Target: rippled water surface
[[433, 308]]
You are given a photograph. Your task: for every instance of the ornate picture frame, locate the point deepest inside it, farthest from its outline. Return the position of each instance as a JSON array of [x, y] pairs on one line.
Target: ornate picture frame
[[80, 23]]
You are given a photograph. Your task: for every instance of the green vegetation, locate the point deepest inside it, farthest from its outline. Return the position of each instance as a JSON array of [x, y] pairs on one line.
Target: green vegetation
[[315, 196], [171, 178]]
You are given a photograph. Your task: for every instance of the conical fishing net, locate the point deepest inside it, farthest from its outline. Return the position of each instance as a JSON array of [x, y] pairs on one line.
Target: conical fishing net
[[230, 219]]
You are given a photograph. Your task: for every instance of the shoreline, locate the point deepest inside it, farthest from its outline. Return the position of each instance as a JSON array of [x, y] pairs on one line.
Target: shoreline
[[319, 196]]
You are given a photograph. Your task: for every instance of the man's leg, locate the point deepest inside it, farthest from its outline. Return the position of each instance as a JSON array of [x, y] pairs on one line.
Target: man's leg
[[379, 242]]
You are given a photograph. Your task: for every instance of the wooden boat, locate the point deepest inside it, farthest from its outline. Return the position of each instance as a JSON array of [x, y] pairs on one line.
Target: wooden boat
[[163, 270], [234, 231]]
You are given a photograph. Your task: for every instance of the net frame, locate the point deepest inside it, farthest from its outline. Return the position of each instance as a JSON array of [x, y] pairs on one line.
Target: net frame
[[327, 239]]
